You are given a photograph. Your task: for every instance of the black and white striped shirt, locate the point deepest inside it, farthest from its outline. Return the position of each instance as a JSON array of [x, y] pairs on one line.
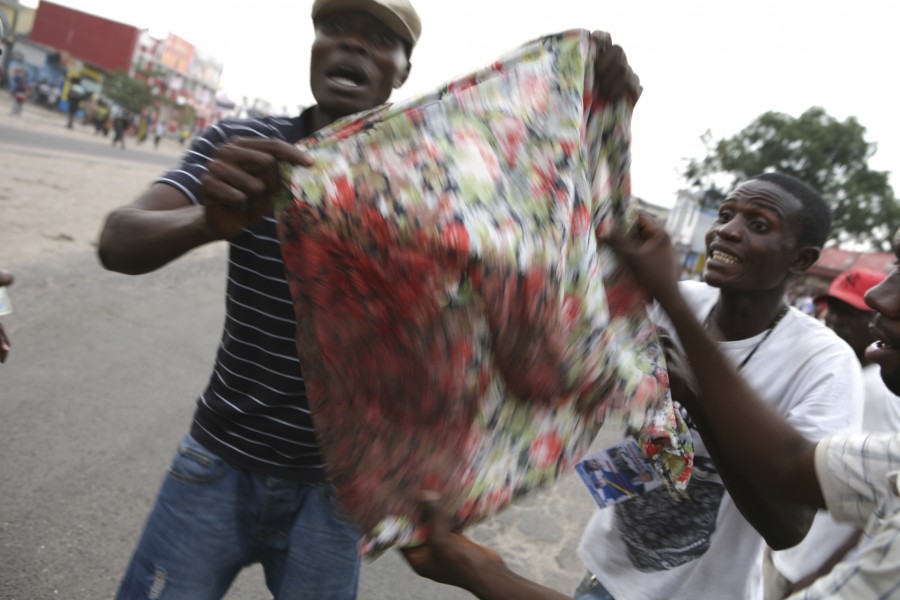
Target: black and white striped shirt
[[254, 412]]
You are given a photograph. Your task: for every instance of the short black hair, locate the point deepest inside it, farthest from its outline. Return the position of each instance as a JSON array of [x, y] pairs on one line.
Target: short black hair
[[816, 215]]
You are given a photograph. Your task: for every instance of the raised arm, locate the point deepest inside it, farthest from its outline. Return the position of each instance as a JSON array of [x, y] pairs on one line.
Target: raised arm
[[782, 525], [237, 189], [751, 435]]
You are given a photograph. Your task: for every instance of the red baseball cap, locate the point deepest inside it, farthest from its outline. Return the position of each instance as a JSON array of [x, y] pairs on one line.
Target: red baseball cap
[[851, 287]]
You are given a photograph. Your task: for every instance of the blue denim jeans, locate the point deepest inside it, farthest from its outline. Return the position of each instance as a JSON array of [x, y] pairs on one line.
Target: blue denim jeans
[[211, 520], [591, 589]]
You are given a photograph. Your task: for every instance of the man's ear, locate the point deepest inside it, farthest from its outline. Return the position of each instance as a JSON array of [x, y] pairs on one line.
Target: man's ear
[[402, 75], [806, 258]]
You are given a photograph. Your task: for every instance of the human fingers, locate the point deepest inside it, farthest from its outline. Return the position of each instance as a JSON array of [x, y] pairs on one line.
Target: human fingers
[[603, 40], [425, 558], [441, 534], [4, 345], [643, 228], [447, 557], [434, 518], [277, 148], [647, 252], [230, 186], [615, 78]]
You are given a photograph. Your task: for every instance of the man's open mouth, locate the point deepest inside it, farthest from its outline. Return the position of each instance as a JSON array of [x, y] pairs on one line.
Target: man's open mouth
[[724, 257], [347, 76]]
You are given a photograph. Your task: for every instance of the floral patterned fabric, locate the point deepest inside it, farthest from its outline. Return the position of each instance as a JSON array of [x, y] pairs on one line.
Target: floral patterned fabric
[[459, 326]]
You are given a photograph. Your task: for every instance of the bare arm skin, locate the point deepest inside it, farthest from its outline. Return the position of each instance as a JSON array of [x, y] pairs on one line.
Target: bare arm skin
[[162, 224], [781, 526], [453, 559]]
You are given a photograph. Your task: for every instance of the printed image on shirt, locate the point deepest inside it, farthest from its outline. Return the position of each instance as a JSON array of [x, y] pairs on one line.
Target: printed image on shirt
[[617, 473], [661, 532]]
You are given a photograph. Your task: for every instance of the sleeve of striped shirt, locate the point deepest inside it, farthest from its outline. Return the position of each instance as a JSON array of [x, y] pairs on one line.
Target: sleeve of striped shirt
[[186, 177]]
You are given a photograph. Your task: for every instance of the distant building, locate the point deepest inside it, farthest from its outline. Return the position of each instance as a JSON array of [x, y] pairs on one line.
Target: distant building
[[834, 261], [17, 20], [67, 47], [84, 47], [660, 213], [687, 225], [179, 72]]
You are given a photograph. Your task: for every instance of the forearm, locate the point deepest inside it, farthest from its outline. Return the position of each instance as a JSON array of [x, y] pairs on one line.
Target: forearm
[[497, 582], [135, 240], [782, 524], [757, 440]]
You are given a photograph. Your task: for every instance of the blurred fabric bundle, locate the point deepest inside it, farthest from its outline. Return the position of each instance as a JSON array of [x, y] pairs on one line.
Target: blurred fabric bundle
[[460, 328]]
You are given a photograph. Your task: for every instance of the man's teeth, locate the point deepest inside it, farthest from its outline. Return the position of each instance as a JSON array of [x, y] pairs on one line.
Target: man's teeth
[[344, 81], [720, 256]]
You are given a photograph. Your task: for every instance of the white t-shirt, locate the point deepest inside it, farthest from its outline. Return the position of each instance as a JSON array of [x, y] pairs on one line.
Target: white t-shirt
[[858, 476], [653, 547], [880, 413]]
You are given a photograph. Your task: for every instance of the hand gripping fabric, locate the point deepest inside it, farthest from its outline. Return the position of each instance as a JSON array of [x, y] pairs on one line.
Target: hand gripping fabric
[[460, 328]]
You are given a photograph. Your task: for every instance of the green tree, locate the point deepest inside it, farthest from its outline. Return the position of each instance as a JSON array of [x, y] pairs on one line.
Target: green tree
[[127, 92], [828, 154]]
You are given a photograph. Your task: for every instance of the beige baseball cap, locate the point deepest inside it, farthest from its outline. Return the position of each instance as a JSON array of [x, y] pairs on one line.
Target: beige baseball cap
[[399, 15]]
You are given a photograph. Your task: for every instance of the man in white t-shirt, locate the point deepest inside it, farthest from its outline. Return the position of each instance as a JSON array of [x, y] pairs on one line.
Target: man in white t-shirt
[[659, 547], [853, 475]]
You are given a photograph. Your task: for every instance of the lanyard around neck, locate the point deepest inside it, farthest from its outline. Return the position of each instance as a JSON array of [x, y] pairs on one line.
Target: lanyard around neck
[[769, 330]]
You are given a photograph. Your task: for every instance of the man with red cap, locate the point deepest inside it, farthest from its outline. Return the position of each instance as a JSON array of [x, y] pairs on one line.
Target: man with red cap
[[248, 483]]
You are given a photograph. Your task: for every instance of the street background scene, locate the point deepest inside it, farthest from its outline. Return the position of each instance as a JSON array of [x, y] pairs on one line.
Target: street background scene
[[104, 371], [105, 368]]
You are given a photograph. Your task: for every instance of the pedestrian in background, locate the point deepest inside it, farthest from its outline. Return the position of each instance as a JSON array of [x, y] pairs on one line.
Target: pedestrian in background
[[19, 93], [248, 483], [159, 132]]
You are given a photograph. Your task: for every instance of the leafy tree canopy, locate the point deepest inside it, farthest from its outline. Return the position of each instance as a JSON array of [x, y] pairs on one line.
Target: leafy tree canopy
[[129, 93], [830, 155]]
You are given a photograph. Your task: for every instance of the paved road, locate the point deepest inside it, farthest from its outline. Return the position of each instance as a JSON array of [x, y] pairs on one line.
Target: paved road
[[99, 389], [83, 144]]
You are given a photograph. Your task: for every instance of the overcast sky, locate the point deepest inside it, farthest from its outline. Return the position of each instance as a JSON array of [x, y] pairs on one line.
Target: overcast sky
[[705, 65]]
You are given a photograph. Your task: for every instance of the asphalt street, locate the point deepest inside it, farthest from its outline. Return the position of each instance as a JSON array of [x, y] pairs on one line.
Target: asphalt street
[[99, 389], [97, 146]]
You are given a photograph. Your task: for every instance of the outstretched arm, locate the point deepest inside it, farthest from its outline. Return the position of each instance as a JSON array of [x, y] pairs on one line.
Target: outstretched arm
[[782, 525], [455, 560], [238, 188], [751, 435]]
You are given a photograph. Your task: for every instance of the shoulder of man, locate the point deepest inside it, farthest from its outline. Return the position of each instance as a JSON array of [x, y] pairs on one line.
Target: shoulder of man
[[809, 331], [269, 127]]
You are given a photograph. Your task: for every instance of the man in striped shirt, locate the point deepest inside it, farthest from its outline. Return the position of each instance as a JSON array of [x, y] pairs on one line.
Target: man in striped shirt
[[247, 483]]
